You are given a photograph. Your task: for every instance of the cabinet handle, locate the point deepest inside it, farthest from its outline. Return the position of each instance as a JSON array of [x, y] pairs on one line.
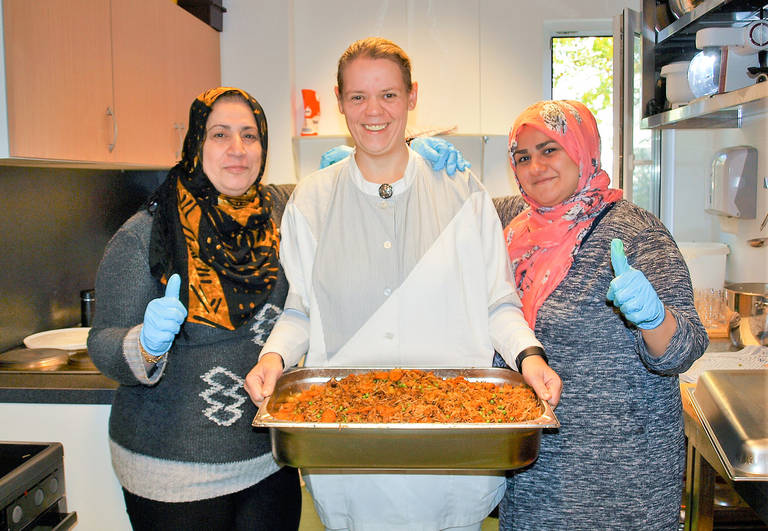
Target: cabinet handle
[[180, 132], [111, 113]]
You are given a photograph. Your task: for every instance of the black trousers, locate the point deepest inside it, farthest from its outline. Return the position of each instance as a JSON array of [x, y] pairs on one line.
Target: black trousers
[[273, 504]]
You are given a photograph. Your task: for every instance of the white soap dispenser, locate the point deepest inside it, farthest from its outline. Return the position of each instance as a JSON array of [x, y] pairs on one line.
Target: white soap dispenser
[[732, 183]]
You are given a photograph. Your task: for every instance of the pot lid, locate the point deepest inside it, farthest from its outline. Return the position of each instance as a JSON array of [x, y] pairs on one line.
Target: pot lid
[[81, 359], [748, 288], [33, 358]]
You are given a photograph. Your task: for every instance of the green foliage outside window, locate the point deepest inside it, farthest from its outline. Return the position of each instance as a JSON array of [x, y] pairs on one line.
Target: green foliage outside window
[[582, 69]]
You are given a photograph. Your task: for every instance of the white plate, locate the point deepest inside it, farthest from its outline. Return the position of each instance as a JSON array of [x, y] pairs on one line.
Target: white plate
[[64, 338]]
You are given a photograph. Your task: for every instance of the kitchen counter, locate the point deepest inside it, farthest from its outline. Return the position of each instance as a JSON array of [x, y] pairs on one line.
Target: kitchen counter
[[56, 388], [703, 464]]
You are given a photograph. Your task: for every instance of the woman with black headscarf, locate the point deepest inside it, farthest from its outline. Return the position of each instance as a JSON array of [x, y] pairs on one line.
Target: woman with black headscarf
[[188, 290]]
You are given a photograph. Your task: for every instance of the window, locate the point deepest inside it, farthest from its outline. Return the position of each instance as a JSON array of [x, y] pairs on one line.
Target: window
[[582, 70]]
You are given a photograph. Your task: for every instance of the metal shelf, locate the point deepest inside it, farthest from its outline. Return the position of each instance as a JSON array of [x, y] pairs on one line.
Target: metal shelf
[[717, 111], [676, 42], [711, 13]]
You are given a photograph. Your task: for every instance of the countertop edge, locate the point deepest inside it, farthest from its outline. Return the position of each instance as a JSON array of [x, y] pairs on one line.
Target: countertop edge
[[42, 388]]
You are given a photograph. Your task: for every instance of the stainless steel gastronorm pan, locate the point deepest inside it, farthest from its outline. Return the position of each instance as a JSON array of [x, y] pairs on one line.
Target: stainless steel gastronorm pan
[[733, 408], [459, 446]]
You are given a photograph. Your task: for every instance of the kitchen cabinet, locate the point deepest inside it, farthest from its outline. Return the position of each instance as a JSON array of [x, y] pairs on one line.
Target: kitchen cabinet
[[102, 83], [677, 42]]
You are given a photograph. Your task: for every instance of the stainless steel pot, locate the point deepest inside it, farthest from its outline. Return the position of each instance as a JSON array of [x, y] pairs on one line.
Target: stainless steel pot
[[681, 7], [750, 301]]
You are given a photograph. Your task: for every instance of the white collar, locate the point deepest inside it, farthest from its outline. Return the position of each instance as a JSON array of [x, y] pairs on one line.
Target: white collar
[[398, 187]]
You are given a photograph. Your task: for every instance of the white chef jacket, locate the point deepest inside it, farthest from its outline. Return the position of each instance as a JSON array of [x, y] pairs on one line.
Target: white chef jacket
[[420, 279]]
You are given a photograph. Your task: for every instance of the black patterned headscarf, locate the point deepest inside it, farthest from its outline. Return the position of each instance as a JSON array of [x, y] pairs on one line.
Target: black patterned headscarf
[[224, 248]]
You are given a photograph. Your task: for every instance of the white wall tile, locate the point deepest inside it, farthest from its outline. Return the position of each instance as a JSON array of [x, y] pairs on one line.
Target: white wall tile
[[323, 30], [257, 56], [444, 45], [498, 176], [514, 44], [478, 62], [694, 151]]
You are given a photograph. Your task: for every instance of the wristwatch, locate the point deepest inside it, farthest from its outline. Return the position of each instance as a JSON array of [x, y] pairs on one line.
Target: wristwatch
[[529, 351]]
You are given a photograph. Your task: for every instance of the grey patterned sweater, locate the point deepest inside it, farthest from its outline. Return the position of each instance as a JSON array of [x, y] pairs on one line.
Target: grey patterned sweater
[[182, 432], [617, 461]]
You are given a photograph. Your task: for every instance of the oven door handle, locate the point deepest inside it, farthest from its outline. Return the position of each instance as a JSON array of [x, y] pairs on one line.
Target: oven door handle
[[67, 522]]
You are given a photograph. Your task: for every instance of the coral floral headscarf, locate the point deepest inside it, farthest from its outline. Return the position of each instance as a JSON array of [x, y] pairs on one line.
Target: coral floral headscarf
[[542, 241]]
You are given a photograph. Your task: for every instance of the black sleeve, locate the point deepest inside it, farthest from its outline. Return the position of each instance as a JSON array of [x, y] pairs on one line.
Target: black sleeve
[[508, 207]]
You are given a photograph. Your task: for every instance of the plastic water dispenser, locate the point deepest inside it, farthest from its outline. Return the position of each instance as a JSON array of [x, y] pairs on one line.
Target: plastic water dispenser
[[732, 183]]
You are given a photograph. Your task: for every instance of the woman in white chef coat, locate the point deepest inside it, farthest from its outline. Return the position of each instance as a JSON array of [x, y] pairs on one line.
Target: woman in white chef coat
[[391, 263]]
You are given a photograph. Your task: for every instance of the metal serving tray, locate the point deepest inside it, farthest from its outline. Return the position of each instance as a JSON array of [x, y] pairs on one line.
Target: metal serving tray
[[459, 446], [733, 408]]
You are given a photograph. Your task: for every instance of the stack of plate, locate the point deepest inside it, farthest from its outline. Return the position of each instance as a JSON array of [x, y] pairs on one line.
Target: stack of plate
[[63, 338]]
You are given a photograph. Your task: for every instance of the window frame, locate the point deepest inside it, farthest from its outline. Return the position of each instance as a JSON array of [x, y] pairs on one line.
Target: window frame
[[569, 28]]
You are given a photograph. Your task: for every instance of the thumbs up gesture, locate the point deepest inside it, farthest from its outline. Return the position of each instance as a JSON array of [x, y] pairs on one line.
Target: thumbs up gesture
[[162, 319], [631, 292]]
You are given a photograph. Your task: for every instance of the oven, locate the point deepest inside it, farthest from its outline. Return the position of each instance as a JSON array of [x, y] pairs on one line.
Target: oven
[[32, 487]]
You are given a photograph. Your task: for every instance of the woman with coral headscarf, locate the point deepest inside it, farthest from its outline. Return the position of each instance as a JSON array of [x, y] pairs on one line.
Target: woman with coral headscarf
[[617, 327]]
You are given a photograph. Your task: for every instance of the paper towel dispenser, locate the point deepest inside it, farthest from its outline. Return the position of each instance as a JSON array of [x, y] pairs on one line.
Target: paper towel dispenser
[[732, 183]]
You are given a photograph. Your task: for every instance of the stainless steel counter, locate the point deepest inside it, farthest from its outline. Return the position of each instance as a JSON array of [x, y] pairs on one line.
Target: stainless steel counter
[[703, 465]]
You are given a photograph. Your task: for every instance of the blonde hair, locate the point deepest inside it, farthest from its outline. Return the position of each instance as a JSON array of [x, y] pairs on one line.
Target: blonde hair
[[375, 48]]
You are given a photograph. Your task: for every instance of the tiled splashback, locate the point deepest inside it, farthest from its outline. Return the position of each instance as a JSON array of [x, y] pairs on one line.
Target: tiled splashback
[[53, 229]]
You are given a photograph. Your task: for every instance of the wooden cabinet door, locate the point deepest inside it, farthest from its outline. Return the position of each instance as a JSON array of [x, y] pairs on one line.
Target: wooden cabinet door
[[196, 63], [58, 78], [143, 79], [163, 57]]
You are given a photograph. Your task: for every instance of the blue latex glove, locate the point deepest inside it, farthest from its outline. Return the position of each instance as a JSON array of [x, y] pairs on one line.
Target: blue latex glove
[[440, 153], [632, 292], [334, 155], [162, 319]]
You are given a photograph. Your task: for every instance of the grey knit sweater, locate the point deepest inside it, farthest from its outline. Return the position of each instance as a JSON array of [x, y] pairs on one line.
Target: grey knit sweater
[[617, 461], [182, 432]]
